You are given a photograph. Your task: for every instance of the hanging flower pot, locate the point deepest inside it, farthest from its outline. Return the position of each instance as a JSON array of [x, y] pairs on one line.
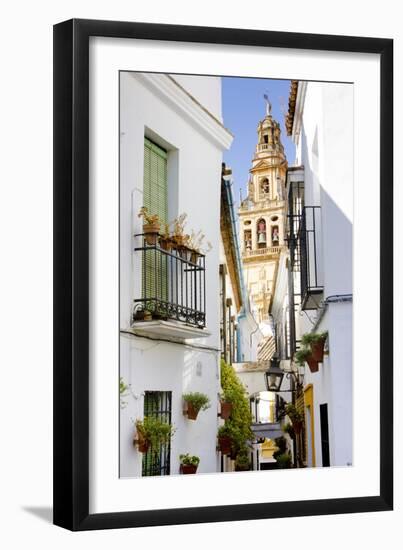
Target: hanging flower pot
[[142, 444], [151, 231], [224, 444], [226, 409], [305, 355], [152, 433], [194, 256], [195, 401], [317, 349], [185, 253], [312, 364], [316, 342], [151, 225], [192, 412], [166, 243]]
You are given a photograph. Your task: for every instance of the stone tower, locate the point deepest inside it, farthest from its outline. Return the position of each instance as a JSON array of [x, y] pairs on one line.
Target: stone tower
[[261, 215]]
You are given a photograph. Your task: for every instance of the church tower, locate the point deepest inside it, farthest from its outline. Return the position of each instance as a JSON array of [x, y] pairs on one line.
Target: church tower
[[261, 214]]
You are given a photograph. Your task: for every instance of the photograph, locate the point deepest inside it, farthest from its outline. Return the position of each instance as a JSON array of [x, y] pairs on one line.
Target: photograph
[[235, 274]]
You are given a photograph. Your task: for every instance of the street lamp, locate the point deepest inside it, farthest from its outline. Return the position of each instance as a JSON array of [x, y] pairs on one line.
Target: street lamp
[[274, 375]]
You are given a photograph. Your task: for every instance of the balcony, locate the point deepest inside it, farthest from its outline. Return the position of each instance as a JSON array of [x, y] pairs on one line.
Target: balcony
[[261, 204], [258, 252], [304, 234], [173, 290]]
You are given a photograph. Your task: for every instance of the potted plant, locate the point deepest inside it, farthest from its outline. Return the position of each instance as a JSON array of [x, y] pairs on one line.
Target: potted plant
[[188, 464], [305, 355], [195, 402], [283, 460], [142, 314], [195, 243], [242, 463], [224, 440], [226, 408], [165, 240], [151, 225], [295, 417], [178, 234], [152, 433], [238, 426], [316, 341]]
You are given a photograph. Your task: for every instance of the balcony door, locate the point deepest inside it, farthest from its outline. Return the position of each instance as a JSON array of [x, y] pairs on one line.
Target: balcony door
[[155, 199]]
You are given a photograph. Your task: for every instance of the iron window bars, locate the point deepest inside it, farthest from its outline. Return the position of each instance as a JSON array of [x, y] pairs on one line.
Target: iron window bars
[[158, 404], [173, 283]]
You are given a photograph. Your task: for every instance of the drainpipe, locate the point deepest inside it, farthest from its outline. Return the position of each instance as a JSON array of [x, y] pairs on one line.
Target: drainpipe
[[334, 299]]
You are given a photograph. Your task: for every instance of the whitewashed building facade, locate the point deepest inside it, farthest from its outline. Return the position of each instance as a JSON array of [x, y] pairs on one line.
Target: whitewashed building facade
[[314, 287], [171, 144]]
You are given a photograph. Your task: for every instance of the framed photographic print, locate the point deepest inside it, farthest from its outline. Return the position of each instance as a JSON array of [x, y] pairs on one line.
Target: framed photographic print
[[223, 320]]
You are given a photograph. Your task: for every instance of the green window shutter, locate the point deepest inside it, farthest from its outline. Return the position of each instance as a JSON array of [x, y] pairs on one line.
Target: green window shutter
[[155, 199]]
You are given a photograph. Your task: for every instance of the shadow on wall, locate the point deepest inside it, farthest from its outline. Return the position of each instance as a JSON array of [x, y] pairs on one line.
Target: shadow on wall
[[335, 247]]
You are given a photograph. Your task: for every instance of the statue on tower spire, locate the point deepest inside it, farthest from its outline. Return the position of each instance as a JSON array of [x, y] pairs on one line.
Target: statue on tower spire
[[268, 105]]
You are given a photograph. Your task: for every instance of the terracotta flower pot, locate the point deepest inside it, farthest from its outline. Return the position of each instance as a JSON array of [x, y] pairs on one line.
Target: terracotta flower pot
[[317, 349], [142, 443], [165, 244], [192, 412], [194, 256], [188, 469], [151, 231], [178, 241], [312, 364], [226, 409], [184, 253], [224, 444], [147, 316]]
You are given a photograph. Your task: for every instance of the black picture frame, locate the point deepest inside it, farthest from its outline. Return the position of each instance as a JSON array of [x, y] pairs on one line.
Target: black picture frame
[[71, 274]]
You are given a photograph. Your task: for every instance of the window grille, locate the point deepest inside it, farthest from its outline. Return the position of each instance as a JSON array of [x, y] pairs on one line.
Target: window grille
[[158, 404]]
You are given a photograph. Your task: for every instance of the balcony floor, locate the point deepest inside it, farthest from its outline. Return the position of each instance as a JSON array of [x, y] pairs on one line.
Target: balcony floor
[[174, 330]]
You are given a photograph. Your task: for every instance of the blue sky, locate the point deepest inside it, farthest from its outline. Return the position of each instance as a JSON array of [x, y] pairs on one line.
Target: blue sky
[[243, 107]]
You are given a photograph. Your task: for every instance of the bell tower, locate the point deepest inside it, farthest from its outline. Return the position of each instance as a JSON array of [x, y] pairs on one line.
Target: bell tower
[[262, 214]]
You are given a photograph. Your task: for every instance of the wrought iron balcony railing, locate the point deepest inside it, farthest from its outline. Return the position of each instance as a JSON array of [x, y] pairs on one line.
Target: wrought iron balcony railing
[[173, 283], [304, 234]]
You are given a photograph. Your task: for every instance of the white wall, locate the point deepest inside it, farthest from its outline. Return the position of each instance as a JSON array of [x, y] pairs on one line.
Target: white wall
[[326, 152], [250, 337], [155, 366], [202, 91], [194, 188], [26, 355]]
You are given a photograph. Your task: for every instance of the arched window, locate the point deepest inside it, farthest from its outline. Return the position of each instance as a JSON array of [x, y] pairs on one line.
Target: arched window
[[261, 233], [264, 187]]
